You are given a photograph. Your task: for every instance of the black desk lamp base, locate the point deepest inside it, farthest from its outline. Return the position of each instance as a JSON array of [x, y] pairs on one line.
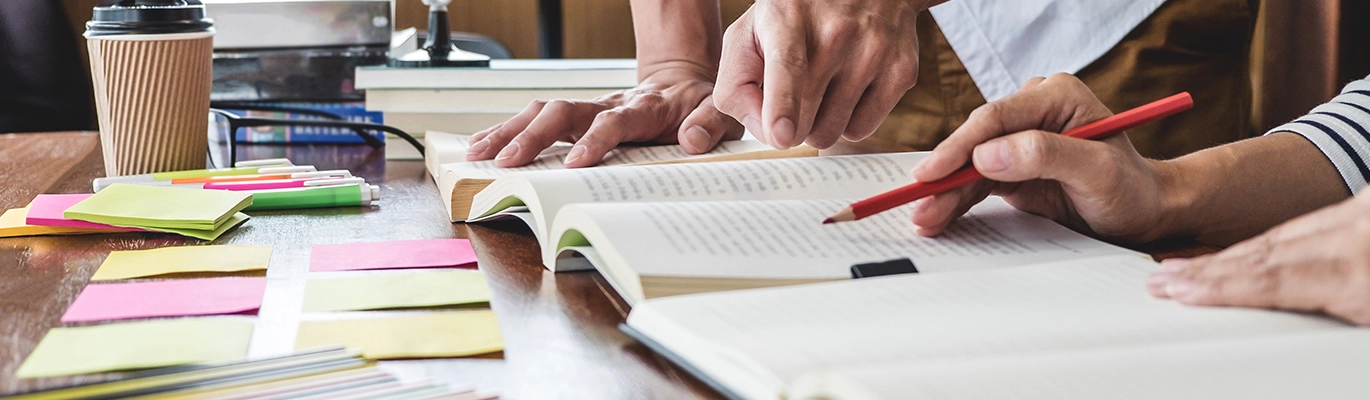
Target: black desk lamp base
[[438, 50]]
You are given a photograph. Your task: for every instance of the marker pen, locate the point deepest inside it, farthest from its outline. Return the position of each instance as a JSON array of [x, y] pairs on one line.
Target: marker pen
[[101, 183], [282, 184], [265, 162], [338, 173], [314, 197]]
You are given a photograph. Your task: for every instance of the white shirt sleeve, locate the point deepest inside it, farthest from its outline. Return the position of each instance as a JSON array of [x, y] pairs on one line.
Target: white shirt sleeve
[[1341, 130], [1003, 43]]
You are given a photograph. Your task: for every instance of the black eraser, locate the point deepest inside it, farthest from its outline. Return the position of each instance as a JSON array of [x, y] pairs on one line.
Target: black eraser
[[891, 267]]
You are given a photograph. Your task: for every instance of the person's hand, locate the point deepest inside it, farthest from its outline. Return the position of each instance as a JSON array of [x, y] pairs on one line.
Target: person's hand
[[672, 105], [814, 71], [1104, 188], [1317, 262]]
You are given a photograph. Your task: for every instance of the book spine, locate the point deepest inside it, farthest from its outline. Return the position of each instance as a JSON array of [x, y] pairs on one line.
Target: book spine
[[351, 111]]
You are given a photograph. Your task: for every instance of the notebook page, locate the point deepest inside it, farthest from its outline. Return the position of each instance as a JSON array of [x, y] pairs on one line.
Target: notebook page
[[1319, 365], [1068, 305], [784, 239]]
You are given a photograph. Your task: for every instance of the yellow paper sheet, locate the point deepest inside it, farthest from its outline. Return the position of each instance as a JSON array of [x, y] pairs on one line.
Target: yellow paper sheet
[[410, 335], [172, 260], [235, 220], [376, 291], [160, 207], [12, 225], [143, 344]]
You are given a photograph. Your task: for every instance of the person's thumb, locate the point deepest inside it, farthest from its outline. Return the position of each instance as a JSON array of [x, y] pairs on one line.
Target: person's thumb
[[1039, 154]]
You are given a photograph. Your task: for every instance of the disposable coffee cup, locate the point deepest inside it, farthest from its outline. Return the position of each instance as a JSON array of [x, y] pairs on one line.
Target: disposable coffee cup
[[151, 61]]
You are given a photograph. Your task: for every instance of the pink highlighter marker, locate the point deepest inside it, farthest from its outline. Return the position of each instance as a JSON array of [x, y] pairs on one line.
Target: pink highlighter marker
[[282, 184]]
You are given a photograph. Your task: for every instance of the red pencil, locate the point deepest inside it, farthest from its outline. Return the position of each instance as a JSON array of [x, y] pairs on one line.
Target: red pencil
[[1095, 130]]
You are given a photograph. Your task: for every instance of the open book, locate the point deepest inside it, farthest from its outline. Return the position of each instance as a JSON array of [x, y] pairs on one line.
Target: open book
[[1082, 328], [459, 180], [663, 230]]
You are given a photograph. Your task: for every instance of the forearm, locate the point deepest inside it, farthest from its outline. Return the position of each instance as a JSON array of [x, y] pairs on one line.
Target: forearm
[[677, 34], [1228, 193]]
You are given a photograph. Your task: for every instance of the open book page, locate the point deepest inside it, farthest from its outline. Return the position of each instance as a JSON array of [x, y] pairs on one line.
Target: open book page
[[1053, 307], [785, 239], [1315, 365], [553, 158], [547, 192]]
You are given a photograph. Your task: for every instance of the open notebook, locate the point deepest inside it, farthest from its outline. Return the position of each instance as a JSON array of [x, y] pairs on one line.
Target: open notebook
[[459, 180], [664, 230], [1082, 328]]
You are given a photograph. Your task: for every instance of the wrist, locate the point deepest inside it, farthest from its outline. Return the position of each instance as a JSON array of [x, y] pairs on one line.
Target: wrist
[[1178, 193]]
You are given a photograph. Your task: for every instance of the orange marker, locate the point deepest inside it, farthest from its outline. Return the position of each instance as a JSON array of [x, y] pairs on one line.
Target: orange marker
[[1095, 130]]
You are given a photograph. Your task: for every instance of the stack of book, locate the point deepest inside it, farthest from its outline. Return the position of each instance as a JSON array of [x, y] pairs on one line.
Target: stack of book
[[467, 100]]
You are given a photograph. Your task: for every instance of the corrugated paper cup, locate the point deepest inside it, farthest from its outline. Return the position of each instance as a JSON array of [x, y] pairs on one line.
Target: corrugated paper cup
[[152, 97]]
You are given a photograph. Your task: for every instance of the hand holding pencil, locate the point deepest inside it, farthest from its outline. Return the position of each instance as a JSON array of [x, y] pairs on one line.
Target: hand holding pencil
[[1099, 187]]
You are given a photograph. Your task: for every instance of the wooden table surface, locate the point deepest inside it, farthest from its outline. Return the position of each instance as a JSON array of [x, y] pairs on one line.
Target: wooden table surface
[[560, 330]]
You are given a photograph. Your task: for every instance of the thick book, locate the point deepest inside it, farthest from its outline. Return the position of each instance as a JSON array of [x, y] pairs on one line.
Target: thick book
[[458, 180], [349, 111], [479, 101], [664, 230], [506, 74], [1074, 329]]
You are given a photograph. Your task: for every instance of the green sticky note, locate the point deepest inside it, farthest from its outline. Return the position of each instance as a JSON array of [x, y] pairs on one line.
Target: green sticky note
[[143, 344], [409, 289], [181, 259], [408, 335], [156, 207]]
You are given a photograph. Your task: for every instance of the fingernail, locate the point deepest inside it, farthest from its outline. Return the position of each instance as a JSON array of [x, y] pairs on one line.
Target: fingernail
[[1159, 280], [1173, 265], [509, 151], [1179, 290], [698, 138], [992, 156], [782, 132], [479, 147], [917, 167], [576, 153], [754, 127]]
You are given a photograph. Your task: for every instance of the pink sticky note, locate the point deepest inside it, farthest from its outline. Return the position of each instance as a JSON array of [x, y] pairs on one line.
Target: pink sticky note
[[166, 299], [47, 209], [387, 255]]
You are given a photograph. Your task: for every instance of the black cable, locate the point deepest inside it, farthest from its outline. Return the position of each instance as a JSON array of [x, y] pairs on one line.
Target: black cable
[[236, 122]]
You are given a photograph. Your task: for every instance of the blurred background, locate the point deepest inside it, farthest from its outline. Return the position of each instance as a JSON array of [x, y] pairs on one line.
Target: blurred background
[[1303, 50]]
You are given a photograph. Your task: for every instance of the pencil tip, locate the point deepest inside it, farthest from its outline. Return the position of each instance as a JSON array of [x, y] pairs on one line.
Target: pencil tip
[[828, 221]]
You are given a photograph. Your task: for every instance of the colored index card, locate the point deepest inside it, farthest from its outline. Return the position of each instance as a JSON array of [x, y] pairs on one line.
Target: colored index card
[[142, 344], [410, 335], [166, 299], [372, 292], [48, 210], [160, 207], [396, 254], [171, 260], [14, 223]]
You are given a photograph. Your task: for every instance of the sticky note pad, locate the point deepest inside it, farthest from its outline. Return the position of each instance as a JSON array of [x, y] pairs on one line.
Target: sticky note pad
[[142, 344], [372, 292], [13, 223], [160, 207], [396, 254], [49, 210], [174, 298], [409, 335], [172, 260]]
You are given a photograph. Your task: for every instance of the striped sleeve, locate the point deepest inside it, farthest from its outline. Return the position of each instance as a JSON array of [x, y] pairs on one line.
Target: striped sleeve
[[1341, 130]]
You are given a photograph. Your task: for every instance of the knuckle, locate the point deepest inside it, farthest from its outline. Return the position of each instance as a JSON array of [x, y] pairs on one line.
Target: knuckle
[[792, 59]]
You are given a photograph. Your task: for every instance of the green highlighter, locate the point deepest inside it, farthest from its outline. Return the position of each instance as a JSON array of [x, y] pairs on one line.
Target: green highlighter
[[314, 197]]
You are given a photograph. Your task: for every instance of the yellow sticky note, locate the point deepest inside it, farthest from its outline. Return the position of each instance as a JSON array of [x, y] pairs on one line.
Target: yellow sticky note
[[171, 260], [376, 291], [12, 224], [160, 207], [235, 220], [411, 335], [143, 344]]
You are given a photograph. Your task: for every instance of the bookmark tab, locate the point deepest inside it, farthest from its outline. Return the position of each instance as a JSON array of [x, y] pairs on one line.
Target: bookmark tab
[[173, 298], [142, 344], [408, 335], [389, 255], [891, 267]]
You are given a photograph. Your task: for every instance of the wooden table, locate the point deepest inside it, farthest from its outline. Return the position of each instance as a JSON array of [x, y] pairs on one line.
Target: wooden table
[[560, 330]]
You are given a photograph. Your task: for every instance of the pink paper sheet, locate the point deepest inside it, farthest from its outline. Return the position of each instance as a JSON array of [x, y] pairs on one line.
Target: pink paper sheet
[[172, 298], [396, 254], [47, 209]]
